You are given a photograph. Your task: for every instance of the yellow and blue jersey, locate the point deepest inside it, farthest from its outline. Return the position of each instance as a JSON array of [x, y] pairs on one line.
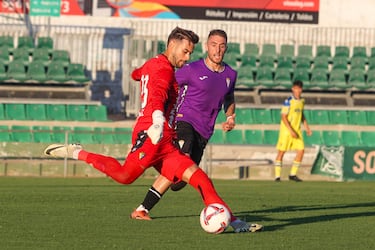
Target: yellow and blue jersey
[[293, 108]]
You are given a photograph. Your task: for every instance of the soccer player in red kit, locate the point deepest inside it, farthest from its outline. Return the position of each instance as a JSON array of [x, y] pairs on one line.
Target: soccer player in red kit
[[154, 133]]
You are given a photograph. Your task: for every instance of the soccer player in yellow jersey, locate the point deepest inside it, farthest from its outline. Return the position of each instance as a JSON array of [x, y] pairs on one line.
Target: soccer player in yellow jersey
[[290, 134]]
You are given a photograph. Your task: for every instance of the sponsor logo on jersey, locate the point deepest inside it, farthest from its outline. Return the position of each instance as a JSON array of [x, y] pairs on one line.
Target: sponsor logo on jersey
[[203, 77], [228, 81]]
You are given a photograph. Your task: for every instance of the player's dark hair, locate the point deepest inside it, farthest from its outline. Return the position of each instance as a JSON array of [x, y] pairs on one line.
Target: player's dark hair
[[218, 32], [298, 83], [180, 34]]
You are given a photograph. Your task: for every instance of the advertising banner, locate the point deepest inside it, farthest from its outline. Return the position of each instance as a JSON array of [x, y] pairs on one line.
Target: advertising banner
[[281, 11], [41, 7], [345, 163]]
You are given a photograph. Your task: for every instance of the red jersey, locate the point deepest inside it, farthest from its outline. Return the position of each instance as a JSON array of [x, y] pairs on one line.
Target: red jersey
[[159, 90]]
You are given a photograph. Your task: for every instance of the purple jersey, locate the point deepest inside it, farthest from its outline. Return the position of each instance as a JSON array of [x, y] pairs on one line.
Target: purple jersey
[[201, 95]]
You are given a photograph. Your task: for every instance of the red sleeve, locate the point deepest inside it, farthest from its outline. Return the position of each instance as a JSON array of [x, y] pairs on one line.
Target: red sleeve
[[161, 80], [136, 74]]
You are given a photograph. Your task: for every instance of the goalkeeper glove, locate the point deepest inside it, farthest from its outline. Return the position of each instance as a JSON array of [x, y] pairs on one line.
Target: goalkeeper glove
[[155, 131]]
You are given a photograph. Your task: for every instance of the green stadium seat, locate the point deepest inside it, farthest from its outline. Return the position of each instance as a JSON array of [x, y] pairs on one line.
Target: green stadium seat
[[61, 56], [2, 111], [302, 75], [104, 135], [83, 135], [249, 60], [270, 137], [36, 111], [313, 140], [15, 111], [96, 113], [22, 55], [56, 72], [41, 55], [323, 50], [263, 116], [41, 134], [305, 51], [234, 137], [4, 133], [3, 74], [253, 136], [217, 137], [221, 117], [264, 77], [287, 50], [338, 116], [16, 71], [231, 60], [342, 51], [371, 63], [233, 47], [76, 73], [251, 49], [123, 135], [350, 138], [283, 77], [7, 41], [321, 62], [285, 62], [358, 63], [57, 112], [4, 55], [245, 77], [357, 117], [244, 116], [76, 112], [359, 51], [337, 79], [25, 42], [161, 46], [370, 117], [198, 47], [276, 115], [45, 43], [370, 81], [269, 49], [340, 62], [303, 62], [331, 138], [61, 134], [266, 61], [357, 79], [36, 72], [319, 79], [21, 133], [372, 52], [196, 56], [318, 116], [367, 138]]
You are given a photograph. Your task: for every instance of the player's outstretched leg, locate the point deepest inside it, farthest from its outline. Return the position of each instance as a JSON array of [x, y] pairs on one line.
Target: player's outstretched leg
[[200, 181], [124, 174]]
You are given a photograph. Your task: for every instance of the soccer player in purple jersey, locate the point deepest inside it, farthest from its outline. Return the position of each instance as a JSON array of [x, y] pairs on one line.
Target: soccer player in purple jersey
[[205, 86]]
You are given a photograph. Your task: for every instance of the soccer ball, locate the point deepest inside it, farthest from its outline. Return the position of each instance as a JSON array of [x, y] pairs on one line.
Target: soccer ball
[[215, 218]]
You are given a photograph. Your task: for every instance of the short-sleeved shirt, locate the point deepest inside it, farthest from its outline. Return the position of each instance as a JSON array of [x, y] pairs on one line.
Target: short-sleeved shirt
[[202, 93], [293, 108]]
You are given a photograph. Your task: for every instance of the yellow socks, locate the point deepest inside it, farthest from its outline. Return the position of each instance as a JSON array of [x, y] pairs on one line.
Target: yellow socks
[[278, 165], [294, 169]]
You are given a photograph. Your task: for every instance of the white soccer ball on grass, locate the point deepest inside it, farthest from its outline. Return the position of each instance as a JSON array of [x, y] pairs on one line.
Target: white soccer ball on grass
[[215, 218]]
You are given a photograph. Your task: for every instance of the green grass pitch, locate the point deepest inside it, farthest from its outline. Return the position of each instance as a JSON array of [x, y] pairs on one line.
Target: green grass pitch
[[93, 213]]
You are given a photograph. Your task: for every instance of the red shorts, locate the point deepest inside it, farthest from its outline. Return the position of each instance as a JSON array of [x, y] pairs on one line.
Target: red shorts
[[165, 156]]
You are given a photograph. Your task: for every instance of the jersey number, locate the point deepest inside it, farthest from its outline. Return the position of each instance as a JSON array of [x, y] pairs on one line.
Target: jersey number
[[144, 90]]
